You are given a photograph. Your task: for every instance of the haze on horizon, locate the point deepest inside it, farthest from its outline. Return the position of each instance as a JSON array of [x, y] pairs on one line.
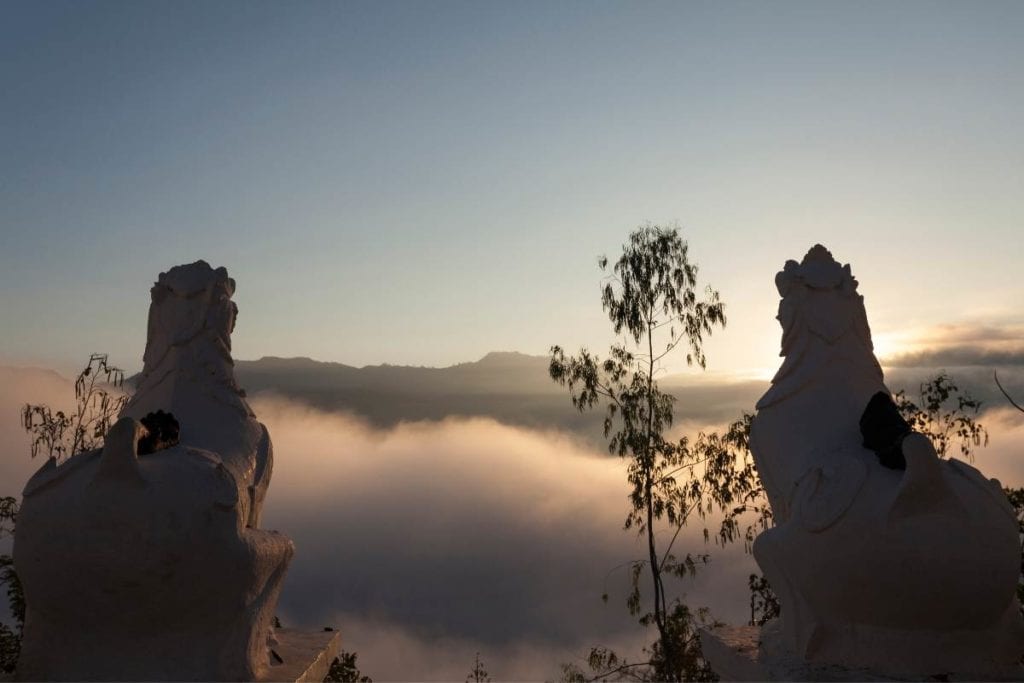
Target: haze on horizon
[[422, 184]]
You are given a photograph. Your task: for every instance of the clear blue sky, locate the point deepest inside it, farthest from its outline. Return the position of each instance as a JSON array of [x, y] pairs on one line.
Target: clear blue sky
[[424, 182]]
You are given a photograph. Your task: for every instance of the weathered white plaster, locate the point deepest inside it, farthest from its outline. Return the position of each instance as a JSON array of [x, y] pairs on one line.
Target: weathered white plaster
[[902, 572], [188, 371], [152, 567], [735, 654]]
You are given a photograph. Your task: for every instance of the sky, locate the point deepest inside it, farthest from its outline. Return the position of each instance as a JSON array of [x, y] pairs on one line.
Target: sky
[[421, 183]]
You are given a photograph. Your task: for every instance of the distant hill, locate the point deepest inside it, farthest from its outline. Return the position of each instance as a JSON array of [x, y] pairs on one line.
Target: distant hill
[[502, 371], [515, 388], [510, 387]]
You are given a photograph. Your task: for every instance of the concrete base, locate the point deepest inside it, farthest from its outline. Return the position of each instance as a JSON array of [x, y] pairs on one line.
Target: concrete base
[[735, 654], [306, 655]]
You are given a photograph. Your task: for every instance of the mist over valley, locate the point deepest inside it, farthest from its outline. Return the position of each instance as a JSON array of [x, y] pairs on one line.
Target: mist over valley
[[440, 512]]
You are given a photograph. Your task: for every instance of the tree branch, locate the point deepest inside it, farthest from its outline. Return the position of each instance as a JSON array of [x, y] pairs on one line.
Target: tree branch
[[1012, 402]]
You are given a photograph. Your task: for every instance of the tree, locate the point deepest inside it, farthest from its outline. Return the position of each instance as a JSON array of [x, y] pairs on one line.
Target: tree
[[478, 674], [650, 297], [344, 670], [764, 604], [10, 638], [99, 398], [1013, 403], [945, 415]]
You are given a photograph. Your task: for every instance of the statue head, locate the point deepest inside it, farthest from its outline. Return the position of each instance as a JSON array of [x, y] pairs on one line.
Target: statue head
[[819, 297], [821, 314], [190, 303]]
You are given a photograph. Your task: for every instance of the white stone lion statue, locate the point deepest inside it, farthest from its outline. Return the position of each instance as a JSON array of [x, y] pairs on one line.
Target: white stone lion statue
[[903, 572], [151, 565]]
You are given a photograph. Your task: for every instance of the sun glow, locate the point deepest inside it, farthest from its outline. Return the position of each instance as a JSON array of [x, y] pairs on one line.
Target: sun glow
[[888, 344]]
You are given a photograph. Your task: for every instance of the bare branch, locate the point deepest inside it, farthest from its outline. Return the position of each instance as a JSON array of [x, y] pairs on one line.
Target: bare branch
[[1012, 402]]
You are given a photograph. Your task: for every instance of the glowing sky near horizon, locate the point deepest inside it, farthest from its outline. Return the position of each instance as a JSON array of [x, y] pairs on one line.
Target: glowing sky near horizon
[[421, 183]]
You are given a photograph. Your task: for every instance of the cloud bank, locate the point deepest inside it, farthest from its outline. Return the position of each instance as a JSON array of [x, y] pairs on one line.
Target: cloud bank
[[964, 344], [959, 356], [427, 542], [464, 533]]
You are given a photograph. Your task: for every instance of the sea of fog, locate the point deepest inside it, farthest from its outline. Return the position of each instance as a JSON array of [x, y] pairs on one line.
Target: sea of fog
[[425, 543]]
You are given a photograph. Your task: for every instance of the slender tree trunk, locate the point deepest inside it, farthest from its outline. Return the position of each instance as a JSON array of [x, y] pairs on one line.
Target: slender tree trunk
[[660, 604]]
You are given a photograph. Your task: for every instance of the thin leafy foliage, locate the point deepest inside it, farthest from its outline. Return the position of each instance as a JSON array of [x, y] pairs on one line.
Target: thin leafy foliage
[[764, 603], [344, 669], [478, 674], [99, 398], [944, 414], [650, 296], [10, 636]]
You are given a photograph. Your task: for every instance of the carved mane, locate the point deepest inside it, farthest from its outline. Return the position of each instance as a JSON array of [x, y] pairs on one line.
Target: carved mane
[[191, 318], [821, 314], [188, 371]]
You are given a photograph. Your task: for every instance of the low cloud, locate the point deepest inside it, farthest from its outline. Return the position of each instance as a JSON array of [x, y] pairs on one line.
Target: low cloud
[[427, 542], [976, 382], [389, 651], [985, 332], [959, 356], [467, 533], [992, 344], [1003, 459]]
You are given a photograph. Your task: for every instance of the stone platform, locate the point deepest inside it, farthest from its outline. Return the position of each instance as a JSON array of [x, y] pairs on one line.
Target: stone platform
[[735, 654], [307, 655]]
